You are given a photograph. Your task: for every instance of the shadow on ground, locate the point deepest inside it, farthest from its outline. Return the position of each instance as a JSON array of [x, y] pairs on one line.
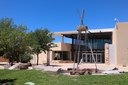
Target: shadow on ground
[[7, 81]]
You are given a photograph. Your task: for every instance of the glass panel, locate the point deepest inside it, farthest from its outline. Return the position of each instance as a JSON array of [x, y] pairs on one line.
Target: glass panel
[[56, 56], [90, 57], [94, 43], [99, 58], [84, 58], [95, 58], [87, 58], [61, 55]]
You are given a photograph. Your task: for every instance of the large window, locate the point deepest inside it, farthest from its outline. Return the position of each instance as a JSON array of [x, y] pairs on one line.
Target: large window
[[94, 43], [60, 55], [87, 58]]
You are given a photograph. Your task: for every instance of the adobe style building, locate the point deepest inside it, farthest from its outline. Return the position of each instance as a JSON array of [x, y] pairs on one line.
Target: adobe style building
[[109, 46]]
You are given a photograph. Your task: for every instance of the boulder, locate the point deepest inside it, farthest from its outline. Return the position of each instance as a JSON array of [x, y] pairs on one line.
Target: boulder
[[23, 66]]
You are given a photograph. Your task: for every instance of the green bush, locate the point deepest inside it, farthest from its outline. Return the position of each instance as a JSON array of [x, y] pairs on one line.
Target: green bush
[[26, 58]]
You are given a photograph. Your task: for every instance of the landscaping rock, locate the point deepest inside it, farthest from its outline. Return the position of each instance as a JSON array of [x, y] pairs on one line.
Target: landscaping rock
[[23, 66], [77, 72], [29, 64], [29, 83], [115, 68], [14, 66], [69, 69], [81, 72]]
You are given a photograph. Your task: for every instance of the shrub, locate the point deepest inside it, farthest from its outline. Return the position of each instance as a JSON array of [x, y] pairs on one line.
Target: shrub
[[26, 58]]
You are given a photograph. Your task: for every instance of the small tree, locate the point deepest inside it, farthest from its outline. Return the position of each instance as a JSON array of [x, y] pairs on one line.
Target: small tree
[[41, 41]]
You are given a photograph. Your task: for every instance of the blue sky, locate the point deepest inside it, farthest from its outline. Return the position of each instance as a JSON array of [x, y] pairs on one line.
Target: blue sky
[[62, 15]]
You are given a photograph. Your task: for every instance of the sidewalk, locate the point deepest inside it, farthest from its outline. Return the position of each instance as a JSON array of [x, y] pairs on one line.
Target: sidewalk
[[56, 66], [1, 67]]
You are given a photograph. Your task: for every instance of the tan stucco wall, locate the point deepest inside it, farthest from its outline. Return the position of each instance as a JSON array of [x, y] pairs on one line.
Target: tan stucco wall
[[43, 56], [58, 46], [106, 53], [62, 47], [120, 42], [114, 42], [66, 47]]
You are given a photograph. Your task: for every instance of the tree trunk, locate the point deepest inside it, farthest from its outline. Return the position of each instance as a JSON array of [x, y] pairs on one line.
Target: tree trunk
[[37, 59], [48, 58], [11, 61]]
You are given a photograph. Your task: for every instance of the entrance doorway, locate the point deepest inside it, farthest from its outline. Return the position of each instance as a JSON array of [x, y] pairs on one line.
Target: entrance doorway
[[87, 58]]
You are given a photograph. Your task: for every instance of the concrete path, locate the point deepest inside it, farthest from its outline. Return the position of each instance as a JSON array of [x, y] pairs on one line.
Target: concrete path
[[46, 68], [1, 67], [56, 66]]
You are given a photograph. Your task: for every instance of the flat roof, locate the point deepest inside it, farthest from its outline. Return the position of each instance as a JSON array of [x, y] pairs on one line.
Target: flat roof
[[76, 32]]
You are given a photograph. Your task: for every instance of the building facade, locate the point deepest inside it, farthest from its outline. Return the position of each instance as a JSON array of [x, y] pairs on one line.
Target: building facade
[[109, 46]]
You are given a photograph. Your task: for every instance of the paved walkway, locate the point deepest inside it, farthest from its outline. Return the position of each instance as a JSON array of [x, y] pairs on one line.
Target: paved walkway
[[1, 67], [56, 66]]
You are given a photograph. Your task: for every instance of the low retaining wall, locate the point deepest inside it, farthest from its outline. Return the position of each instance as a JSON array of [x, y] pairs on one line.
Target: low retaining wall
[[3, 59]]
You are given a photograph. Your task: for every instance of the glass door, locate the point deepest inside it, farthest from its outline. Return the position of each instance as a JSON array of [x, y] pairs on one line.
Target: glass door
[[87, 58]]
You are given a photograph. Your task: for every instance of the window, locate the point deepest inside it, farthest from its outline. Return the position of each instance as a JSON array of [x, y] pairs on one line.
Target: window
[[61, 55], [87, 58]]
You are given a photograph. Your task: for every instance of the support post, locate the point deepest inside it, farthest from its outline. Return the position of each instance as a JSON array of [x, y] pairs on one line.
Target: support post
[[48, 58]]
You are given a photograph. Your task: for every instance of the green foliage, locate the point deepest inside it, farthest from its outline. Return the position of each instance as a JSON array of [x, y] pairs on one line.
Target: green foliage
[[6, 28], [13, 39], [25, 58], [40, 41]]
